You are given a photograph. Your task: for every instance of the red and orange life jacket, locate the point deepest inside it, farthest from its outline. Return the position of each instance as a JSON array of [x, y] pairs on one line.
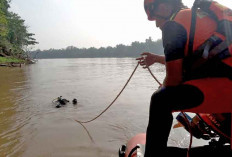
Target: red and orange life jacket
[[212, 20], [210, 17]]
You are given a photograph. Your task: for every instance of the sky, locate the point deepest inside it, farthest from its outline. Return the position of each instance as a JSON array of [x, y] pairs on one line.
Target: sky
[[88, 23]]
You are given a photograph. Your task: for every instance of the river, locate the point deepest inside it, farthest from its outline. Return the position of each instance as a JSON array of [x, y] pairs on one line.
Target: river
[[31, 125]]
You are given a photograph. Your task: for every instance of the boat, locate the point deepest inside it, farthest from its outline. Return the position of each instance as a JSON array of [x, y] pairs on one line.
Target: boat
[[212, 127]]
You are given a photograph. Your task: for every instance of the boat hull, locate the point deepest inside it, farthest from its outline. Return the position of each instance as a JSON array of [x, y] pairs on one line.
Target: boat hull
[[136, 145]]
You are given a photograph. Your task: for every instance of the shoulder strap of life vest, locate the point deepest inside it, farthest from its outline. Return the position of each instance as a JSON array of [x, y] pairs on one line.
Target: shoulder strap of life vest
[[192, 28], [222, 15]]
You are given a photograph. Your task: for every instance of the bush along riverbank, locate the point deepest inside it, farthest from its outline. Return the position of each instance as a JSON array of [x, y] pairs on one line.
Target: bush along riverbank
[[11, 62]]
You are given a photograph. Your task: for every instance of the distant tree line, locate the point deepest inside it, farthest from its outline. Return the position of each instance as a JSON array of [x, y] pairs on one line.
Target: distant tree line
[[133, 50], [14, 36]]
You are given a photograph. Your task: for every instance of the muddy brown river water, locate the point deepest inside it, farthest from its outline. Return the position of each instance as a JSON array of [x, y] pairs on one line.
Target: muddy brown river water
[[31, 125]]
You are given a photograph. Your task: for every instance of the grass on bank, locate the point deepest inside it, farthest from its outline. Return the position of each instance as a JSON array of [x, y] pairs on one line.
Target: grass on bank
[[10, 60]]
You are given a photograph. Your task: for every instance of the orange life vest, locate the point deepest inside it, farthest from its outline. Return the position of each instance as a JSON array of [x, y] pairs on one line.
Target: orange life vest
[[221, 14], [206, 28], [209, 18], [217, 11]]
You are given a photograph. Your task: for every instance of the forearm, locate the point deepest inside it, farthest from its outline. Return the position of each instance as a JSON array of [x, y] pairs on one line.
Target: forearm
[[148, 59]]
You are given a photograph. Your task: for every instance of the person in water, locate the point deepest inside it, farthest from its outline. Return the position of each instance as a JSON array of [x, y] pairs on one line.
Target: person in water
[[200, 88]]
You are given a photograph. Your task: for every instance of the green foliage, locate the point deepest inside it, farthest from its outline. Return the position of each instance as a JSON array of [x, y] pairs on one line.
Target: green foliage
[[18, 34], [4, 5], [13, 32], [3, 20], [3, 25], [10, 60]]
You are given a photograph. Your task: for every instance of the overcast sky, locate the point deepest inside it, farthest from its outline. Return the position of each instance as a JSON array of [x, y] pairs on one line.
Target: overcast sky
[[87, 23]]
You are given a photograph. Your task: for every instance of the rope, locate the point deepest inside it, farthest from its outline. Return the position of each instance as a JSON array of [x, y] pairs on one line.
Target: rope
[[91, 138], [153, 76], [81, 122], [113, 100], [186, 119], [191, 135]]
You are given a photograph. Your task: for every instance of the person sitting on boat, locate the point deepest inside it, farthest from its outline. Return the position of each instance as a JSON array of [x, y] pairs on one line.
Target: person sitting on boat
[[198, 76]]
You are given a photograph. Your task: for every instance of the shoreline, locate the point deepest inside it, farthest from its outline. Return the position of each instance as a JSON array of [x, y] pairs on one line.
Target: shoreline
[[14, 62]]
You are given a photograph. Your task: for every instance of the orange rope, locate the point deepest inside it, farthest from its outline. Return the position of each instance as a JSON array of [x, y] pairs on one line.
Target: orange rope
[[81, 122], [154, 76], [112, 101], [191, 135]]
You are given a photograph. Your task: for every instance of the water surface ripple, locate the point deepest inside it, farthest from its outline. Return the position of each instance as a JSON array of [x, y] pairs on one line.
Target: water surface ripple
[[31, 125]]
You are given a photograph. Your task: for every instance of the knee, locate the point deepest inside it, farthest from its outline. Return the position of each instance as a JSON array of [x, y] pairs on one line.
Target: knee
[[156, 97], [192, 93], [158, 100]]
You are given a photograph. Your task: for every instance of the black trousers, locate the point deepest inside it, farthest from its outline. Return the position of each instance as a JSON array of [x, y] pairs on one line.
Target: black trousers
[[163, 103]]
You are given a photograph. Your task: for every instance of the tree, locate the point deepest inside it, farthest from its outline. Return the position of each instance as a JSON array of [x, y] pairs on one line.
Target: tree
[[3, 23], [133, 50], [18, 34], [13, 32]]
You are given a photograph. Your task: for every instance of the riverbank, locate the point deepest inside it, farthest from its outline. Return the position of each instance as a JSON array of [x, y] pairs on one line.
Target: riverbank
[[11, 61]]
